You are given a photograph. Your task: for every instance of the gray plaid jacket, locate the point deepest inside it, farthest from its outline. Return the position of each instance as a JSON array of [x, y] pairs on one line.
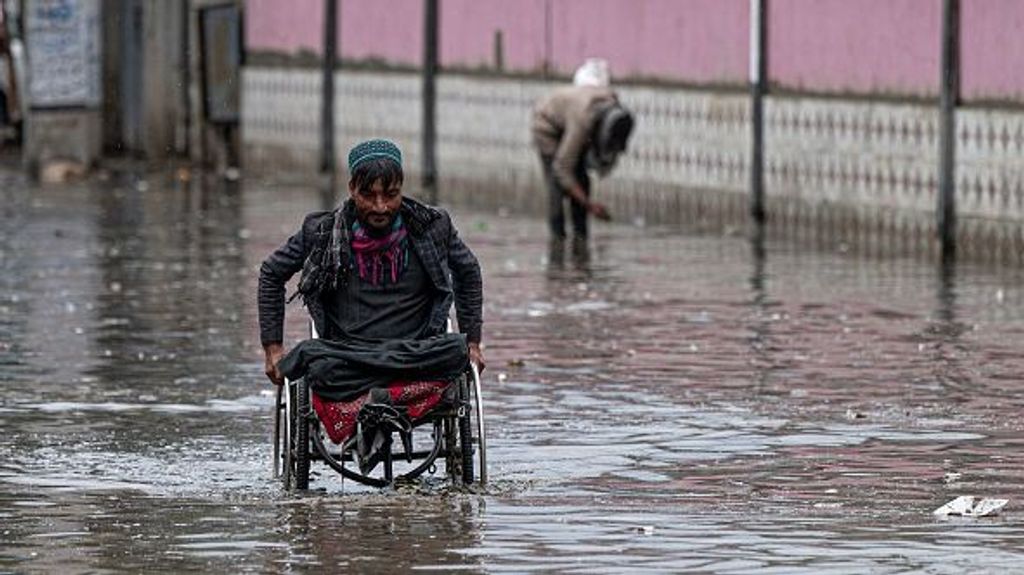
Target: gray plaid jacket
[[320, 249]]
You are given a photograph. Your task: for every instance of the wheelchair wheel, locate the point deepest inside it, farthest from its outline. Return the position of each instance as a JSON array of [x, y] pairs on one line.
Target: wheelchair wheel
[[465, 442], [301, 446], [286, 408], [291, 435], [280, 428], [477, 404], [465, 425]]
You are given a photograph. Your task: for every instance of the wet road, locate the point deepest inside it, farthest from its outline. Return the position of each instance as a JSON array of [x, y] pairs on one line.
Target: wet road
[[662, 402]]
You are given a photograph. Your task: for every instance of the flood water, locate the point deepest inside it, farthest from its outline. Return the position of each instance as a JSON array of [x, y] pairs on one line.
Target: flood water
[[664, 401]]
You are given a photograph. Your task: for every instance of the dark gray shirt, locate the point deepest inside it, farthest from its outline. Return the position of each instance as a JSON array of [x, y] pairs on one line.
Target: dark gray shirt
[[386, 311]]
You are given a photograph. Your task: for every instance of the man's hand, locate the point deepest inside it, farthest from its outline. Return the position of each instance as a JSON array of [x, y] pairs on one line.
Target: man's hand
[[597, 209], [476, 356], [273, 354], [600, 211]]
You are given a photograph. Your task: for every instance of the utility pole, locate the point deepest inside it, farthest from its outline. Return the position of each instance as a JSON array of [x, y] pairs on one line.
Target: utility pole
[[758, 88], [430, 100], [327, 163], [950, 93]]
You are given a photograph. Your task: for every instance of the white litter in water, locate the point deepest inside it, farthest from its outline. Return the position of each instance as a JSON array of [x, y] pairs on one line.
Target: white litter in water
[[971, 506]]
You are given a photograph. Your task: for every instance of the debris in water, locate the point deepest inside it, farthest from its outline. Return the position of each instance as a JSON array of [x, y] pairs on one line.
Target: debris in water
[[58, 172], [971, 506]]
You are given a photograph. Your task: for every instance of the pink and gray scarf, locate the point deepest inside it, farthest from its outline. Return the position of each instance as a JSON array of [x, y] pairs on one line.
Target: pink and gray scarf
[[381, 259]]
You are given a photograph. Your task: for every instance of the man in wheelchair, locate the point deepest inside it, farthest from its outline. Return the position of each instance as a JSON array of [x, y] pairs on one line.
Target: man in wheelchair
[[379, 275]]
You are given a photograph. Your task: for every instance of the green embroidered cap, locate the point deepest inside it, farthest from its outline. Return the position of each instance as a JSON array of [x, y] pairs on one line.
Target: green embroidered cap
[[372, 149]]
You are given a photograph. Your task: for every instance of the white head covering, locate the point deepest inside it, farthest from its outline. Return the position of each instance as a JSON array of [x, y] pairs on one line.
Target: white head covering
[[593, 72]]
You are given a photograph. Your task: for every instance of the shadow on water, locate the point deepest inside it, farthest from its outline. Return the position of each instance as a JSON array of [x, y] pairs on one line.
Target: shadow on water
[[657, 400]]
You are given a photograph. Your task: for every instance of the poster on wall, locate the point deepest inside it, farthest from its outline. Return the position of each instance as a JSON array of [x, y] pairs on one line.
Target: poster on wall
[[63, 51]]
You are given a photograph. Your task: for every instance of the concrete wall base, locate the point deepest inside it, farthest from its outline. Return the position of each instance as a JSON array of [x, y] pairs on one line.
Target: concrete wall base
[[50, 135]]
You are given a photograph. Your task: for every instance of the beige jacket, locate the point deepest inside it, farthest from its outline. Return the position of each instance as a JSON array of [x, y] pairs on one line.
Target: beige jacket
[[563, 123]]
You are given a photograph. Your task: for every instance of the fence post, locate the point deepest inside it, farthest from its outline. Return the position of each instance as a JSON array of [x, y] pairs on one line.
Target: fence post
[[950, 93], [330, 57], [430, 101], [758, 88]]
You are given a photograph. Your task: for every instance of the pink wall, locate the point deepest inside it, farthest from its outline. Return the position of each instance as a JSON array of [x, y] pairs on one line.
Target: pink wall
[[858, 46], [888, 46], [284, 26], [695, 40], [992, 49], [468, 28], [391, 30]]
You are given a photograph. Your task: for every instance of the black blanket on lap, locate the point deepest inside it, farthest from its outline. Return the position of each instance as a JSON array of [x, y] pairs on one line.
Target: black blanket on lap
[[344, 370]]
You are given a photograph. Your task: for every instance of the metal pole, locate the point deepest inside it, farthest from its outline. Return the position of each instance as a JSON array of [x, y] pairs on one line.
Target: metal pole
[[330, 58], [430, 101], [950, 92], [549, 20], [758, 88]]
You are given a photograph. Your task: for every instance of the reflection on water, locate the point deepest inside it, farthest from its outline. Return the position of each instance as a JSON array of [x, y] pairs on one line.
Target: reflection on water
[[576, 251], [658, 401]]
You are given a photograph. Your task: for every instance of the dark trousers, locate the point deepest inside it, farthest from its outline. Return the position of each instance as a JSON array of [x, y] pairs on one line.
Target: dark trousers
[[557, 197]]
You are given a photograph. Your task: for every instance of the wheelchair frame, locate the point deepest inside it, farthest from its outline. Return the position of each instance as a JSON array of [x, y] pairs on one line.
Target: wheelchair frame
[[457, 428]]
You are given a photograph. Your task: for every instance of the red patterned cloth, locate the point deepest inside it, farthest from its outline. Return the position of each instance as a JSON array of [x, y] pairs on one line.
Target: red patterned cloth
[[339, 417]]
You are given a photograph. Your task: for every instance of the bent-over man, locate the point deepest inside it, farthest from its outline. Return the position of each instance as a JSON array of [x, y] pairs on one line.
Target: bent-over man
[[576, 129]]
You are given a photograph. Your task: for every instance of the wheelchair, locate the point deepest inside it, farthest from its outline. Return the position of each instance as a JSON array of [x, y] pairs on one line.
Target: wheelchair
[[452, 432]]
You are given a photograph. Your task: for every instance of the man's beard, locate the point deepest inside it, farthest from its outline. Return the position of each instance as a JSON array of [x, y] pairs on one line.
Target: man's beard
[[378, 230]]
